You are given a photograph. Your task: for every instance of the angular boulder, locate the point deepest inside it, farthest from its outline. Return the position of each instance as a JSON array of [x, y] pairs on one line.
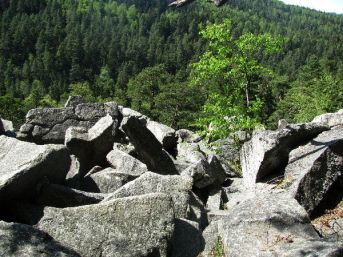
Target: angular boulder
[[6, 127], [127, 227], [48, 125], [91, 147], [266, 154], [23, 165], [314, 168], [25, 241], [178, 187], [126, 163], [105, 181], [164, 134], [148, 147]]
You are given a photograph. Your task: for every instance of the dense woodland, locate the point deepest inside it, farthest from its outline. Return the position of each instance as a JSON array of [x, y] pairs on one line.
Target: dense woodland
[[142, 54]]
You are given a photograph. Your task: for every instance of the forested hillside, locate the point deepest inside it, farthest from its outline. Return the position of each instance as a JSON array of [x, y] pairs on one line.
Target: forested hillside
[[138, 53]]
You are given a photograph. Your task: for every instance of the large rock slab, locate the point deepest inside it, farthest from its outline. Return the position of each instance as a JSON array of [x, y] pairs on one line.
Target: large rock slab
[[314, 168], [266, 225], [127, 227], [92, 146], [125, 163], [23, 165], [266, 154], [48, 125], [148, 147], [25, 241], [178, 187], [330, 119]]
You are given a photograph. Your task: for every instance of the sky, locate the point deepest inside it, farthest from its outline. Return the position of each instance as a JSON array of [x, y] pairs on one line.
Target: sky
[[321, 5]]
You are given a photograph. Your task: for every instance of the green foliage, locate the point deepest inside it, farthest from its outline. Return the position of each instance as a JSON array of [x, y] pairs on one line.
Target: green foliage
[[218, 250], [82, 89], [314, 92], [11, 108], [231, 71]]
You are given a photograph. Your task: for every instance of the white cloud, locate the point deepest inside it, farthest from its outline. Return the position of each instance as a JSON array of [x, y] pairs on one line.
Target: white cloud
[[327, 6]]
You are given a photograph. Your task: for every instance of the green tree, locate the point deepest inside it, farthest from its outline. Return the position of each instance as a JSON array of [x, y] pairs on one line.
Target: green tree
[[104, 84], [231, 71], [83, 89], [143, 88]]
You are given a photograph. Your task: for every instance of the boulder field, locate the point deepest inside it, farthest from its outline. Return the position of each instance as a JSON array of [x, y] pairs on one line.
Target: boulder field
[[101, 180]]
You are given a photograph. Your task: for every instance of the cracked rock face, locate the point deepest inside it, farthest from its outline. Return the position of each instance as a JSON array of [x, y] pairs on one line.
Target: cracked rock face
[[48, 125], [127, 227], [267, 153]]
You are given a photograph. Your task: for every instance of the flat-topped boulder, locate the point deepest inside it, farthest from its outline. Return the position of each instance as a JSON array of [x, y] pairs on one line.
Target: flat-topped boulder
[[48, 125], [23, 165], [127, 227]]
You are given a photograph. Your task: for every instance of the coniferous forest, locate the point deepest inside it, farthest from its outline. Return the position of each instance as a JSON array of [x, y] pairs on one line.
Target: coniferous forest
[[146, 55]]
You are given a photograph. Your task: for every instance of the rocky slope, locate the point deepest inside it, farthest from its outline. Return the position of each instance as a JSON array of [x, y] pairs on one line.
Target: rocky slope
[[115, 183]]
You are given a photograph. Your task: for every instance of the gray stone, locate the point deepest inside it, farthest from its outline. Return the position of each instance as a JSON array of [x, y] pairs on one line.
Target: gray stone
[[127, 227], [265, 224], [266, 154], [164, 134], [211, 237], [48, 125], [185, 135], [179, 3], [313, 248], [330, 119], [196, 211], [187, 239], [206, 172], [23, 165], [61, 196], [105, 181], [6, 127], [91, 147], [214, 201], [74, 101], [148, 147], [25, 241], [73, 174], [314, 168], [125, 163], [176, 186]]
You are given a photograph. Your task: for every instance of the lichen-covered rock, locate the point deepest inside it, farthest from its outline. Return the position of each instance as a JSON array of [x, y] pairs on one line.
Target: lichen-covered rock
[[23, 165], [178, 187], [48, 125], [127, 227], [267, 152], [74, 101], [314, 168], [25, 241], [148, 147]]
